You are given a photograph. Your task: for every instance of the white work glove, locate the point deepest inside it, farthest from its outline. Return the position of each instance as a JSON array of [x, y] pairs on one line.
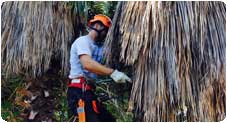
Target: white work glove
[[120, 77]]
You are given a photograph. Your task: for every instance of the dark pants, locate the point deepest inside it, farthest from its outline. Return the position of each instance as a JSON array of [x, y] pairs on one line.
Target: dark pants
[[74, 94]]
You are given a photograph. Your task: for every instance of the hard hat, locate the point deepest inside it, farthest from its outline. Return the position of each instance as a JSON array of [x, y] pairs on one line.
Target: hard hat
[[106, 21]]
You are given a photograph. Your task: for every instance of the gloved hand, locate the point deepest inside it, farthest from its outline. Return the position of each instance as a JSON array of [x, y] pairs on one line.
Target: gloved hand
[[120, 77]]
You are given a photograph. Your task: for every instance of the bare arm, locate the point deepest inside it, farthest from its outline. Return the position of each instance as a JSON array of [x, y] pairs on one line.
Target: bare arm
[[92, 66]]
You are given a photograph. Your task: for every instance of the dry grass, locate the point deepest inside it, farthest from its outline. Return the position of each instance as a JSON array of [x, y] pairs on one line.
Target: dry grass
[[177, 50]]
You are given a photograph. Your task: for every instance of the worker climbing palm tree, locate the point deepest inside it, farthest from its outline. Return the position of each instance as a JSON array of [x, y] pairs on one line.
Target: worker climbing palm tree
[[81, 99]]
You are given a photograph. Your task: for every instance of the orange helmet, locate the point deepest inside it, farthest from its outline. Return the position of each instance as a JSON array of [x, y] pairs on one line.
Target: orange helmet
[[106, 21]]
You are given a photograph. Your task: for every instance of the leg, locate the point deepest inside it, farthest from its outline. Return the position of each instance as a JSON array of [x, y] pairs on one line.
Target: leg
[[73, 96], [103, 115], [91, 115]]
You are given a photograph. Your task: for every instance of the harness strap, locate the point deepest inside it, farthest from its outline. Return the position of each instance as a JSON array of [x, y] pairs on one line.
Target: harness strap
[[79, 82]]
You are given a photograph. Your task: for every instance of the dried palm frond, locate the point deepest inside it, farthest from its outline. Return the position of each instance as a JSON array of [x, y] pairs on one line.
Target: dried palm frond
[[34, 33], [177, 50]]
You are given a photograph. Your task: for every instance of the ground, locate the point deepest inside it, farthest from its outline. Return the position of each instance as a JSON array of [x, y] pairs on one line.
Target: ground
[[44, 98]]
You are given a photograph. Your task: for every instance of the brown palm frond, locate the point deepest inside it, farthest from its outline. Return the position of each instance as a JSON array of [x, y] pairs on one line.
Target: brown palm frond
[[34, 33], [177, 50]]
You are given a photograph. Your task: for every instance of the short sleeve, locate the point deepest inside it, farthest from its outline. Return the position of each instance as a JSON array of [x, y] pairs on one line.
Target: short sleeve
[[83, 47]]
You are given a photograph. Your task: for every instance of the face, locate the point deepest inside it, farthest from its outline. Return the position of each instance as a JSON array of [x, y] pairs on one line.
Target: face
[[102, 35]]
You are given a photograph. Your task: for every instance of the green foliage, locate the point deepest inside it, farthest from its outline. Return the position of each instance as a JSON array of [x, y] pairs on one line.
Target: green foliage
[[9, 85], [61, 105], [10, 112], [111, 8], [103, 7], [118, 104], [6, 110], [119, 111], [79, 7], [96, 7]]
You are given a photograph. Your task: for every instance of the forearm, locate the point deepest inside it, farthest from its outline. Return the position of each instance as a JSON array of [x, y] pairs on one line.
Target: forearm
[[95, 67]]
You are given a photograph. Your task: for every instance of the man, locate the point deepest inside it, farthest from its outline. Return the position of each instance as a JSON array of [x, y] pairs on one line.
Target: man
[[84, 67]]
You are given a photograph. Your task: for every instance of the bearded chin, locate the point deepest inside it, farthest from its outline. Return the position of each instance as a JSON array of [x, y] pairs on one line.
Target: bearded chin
[[100, 39]]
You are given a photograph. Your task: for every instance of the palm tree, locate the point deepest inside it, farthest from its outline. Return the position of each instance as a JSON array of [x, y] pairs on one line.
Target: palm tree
[[177, 54], [35, 33]]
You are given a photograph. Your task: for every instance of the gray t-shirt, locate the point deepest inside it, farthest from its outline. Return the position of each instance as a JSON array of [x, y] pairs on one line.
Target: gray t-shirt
[[82, 45]]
